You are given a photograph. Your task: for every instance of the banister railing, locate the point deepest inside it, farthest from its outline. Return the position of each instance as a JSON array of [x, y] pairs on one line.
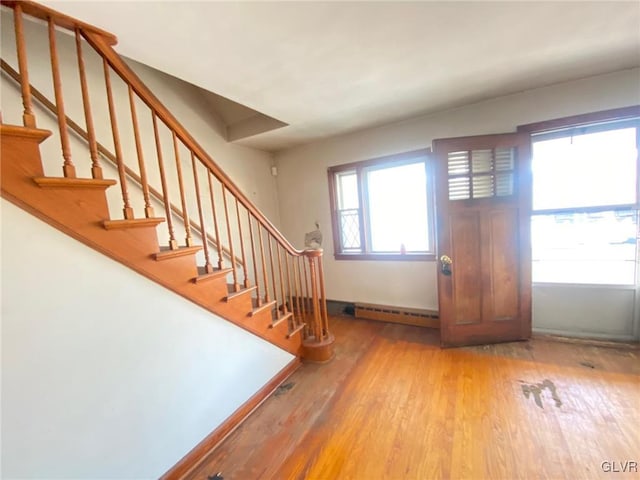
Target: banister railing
[[105, 153], [261, 256]]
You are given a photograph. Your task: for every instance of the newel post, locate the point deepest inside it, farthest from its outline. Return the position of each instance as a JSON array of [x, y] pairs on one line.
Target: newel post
[[317, 345]]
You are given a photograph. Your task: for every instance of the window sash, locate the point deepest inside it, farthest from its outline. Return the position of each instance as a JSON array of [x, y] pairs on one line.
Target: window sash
[[362, 169], [577, 131], [596, 257]]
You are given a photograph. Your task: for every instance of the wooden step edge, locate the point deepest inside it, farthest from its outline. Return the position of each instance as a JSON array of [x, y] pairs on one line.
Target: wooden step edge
[[24, 132], [280, 320], [63, 182], [178, 252], [296, 330], [205, 277], [261, 308], [132, 223], [239, 293]]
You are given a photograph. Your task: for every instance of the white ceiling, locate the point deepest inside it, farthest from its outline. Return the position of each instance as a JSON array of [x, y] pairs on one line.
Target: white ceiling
[[326, 68]]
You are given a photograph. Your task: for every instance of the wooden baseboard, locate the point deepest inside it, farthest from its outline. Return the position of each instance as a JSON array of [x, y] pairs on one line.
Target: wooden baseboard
[[192, 459], [405, 316]]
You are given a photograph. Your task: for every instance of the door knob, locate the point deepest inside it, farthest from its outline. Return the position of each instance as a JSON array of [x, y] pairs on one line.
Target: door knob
[[445, 265]]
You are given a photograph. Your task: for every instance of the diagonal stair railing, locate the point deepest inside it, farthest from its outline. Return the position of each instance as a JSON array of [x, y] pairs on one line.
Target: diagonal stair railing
[[209, 206], [105, 153]]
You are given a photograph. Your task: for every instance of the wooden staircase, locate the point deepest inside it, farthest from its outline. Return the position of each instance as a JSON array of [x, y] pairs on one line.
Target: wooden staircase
[[79, 208], [259, 282]]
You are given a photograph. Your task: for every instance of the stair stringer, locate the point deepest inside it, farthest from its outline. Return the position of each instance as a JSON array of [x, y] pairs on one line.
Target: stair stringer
[[80, 211]]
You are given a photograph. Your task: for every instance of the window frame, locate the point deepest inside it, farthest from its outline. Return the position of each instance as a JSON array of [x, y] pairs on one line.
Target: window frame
[[360, 168], [588, 121]]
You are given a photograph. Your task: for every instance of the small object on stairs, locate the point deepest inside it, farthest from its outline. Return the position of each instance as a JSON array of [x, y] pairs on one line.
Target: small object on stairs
[[313, 239], [217, 476]]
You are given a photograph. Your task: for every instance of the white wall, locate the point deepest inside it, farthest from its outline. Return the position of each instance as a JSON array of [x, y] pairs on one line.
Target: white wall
[[106, 374], [304, 194], [586, 311]]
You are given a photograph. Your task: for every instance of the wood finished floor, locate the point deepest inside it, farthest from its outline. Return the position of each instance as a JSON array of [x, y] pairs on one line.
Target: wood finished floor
[[393, 405]]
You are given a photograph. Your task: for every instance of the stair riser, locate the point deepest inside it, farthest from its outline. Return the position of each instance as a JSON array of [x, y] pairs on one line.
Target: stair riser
[[278, 335], [262, 319]]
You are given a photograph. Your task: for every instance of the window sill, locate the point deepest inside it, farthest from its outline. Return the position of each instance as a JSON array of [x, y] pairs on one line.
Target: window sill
[[394, 257]]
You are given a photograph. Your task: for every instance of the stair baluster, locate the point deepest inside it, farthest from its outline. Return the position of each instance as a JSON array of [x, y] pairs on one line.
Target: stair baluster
[[308, 294], [234, 266], [299, 291], [253, 258], [68, 168], [127, 210], [285, 310], [173, 244], [274, 284], [28, 118], [183, 202], [267, 298], [289, 289], [208, 268], [96, 168], [246, 281], [148, 209], [215, 221]]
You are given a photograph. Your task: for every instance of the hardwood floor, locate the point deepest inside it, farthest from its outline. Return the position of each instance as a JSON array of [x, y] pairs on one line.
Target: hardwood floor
[[393, 405]]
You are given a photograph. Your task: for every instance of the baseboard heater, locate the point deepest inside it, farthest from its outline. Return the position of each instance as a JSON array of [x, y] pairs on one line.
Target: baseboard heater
[[407, 316]]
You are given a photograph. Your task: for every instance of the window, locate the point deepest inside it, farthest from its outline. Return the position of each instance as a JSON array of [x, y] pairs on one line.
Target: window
[[382, 208], [584, 227]]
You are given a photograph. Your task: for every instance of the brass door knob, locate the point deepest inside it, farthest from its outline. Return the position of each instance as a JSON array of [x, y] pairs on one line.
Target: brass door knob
[[445, 265]]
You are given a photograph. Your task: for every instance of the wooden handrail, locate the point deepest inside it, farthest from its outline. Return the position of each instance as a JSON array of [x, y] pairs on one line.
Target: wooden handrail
[[104, 152], [60, 19], [131, 78]]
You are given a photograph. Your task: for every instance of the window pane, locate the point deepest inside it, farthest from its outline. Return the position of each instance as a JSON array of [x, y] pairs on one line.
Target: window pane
[[596, 248], [350, 230], [585, 170], [398, 208], [347, 190]]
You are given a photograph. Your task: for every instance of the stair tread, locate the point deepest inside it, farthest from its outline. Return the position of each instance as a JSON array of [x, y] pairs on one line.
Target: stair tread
[[65, 182], [132, 223], [166, 253], [296, 330], [281, 319], [204, 276], [25, 132], [233, 294], [260, 308]]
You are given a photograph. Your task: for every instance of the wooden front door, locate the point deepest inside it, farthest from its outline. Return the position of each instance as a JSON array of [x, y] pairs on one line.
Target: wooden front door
[[483, 203]]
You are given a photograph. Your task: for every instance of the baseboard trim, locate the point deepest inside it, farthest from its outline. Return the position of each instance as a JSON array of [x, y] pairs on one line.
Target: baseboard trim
[[403, 315], [192, 459]]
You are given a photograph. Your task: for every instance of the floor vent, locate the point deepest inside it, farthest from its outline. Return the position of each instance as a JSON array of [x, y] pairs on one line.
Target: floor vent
[[407, 316]]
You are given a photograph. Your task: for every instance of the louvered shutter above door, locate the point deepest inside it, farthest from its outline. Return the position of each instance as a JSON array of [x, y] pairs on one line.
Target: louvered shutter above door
[[476, 174]]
